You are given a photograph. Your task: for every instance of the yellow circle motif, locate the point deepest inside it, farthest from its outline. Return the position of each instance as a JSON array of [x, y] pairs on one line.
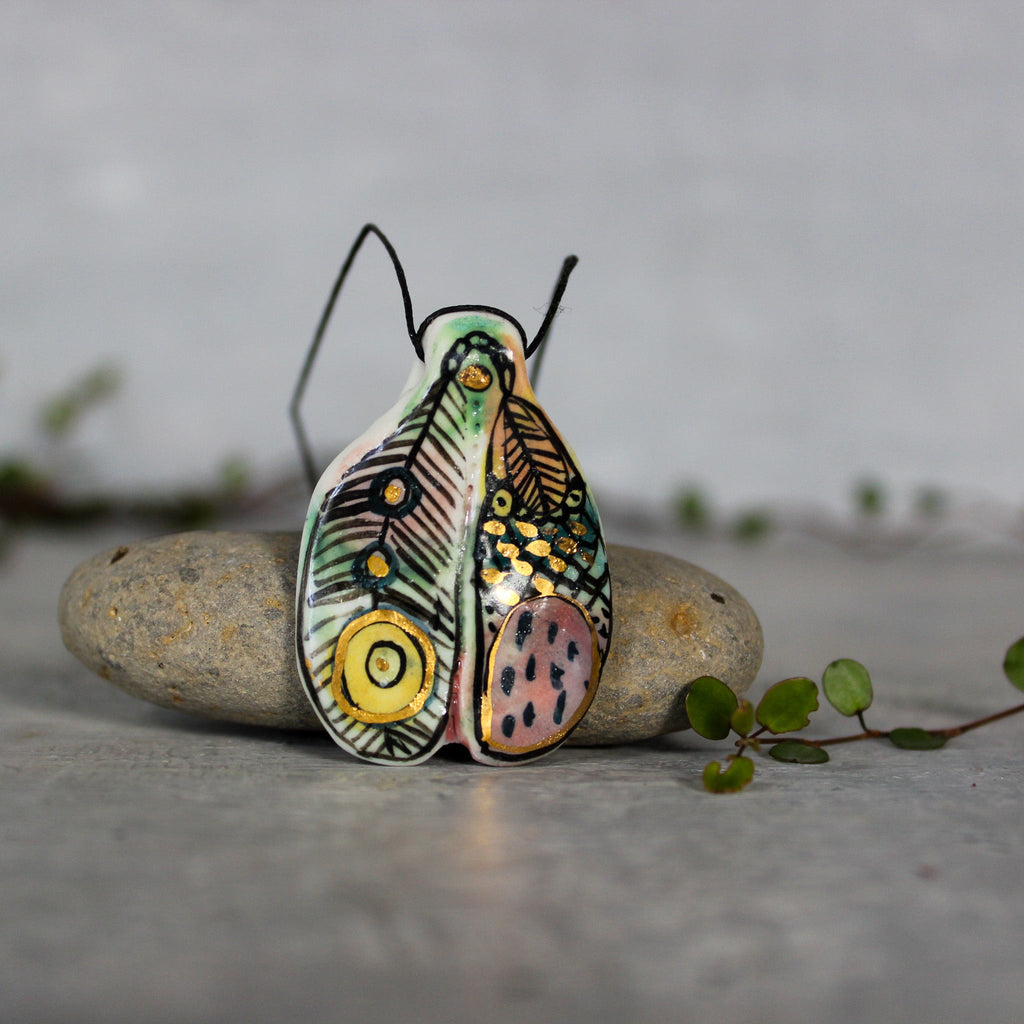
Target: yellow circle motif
[[383, 668], [501, 503]]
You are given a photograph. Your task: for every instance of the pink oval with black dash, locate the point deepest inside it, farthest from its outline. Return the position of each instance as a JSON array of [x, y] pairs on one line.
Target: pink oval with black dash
[[541, 669]]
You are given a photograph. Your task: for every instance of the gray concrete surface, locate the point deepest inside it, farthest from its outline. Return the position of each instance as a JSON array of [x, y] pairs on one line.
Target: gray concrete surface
[[155, 867]]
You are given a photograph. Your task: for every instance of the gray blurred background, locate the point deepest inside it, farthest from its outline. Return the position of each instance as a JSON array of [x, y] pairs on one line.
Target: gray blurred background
[[801, 239], [801, 229]]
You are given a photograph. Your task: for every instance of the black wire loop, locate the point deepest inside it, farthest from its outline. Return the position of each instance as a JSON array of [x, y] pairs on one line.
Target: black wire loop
[[295, 407]]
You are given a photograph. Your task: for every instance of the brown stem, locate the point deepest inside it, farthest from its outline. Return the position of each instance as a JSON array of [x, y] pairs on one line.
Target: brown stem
[[882, 734], [959, 730], [868, 734]]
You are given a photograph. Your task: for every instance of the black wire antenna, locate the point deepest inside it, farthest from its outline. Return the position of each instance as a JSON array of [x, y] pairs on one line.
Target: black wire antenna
[[294, 408], [549, 318]]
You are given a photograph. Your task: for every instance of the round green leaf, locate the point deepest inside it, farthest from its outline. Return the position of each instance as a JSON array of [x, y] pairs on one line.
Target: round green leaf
[[916, 739], [738, 772], [1013, 664], [742, 719], [709, 707], [787, 706], [847, 686], [798, 752]]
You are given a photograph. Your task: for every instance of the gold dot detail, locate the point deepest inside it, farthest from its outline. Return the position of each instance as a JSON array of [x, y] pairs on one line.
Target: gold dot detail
[[568, 545], [526, 529], [577, 527], [475, 377], [492, 576], [557, 564], [543, 586], [493, 527], [394, 493], [540, 548], [377, 565], [521, 567], [509, 550]]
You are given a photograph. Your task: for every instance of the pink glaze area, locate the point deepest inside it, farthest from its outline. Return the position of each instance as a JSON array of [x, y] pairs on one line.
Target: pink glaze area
[[456, 731], [540, 673]]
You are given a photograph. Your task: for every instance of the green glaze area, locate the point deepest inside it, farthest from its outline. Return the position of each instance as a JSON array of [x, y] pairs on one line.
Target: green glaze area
[[444, 332], [460, 324]]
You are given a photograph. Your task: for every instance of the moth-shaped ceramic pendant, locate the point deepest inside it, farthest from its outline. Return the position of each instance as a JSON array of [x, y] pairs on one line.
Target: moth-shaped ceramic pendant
[[453, 585]]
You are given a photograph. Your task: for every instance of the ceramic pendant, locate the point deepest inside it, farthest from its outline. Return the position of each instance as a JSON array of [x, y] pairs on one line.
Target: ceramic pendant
[[453, 585]]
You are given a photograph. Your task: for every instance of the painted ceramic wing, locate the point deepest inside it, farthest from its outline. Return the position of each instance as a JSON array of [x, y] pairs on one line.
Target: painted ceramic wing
[[453, 585]]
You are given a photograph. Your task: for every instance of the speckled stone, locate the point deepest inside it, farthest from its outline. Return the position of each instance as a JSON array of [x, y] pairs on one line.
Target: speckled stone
[[204, 623]]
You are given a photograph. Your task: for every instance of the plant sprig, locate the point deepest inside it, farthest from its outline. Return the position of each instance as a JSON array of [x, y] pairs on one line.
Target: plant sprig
[[786, 707]]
